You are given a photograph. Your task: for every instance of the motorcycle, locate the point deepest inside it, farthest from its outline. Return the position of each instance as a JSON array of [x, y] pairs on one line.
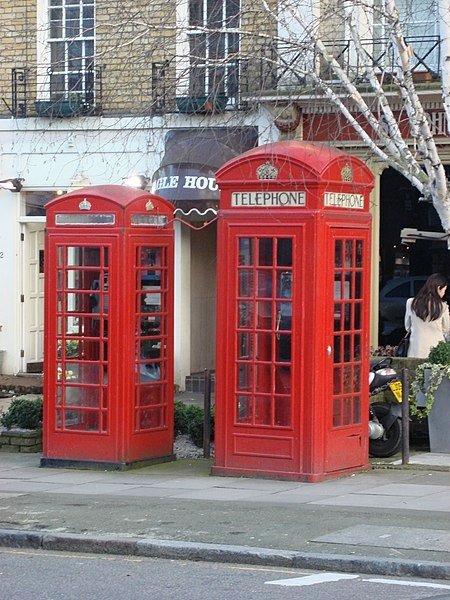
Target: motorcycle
[[385, 418]]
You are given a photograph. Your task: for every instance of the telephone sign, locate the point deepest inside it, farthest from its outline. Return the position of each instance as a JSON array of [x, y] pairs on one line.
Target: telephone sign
[[258, 199]]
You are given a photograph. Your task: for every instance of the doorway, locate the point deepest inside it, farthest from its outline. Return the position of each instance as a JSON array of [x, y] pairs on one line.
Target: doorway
[[404, 267], [33, 297]]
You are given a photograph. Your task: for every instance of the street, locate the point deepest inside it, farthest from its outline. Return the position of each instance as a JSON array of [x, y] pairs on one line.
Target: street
[[39, 575]]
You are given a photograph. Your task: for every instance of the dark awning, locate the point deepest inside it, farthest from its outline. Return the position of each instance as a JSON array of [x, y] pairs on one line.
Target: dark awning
[[186, 175]]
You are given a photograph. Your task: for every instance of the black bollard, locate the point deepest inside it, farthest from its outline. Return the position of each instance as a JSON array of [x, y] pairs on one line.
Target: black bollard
[[207, 415], [405, 416]]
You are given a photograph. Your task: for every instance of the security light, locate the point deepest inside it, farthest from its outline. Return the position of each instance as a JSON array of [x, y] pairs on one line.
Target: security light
[[410, 236], [13, 185], [137, 181]]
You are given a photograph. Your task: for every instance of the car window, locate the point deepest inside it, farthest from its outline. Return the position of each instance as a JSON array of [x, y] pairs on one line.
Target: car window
[[401, 291]]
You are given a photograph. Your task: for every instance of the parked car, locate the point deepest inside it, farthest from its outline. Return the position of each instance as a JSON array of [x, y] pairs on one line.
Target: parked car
[[393, 298]]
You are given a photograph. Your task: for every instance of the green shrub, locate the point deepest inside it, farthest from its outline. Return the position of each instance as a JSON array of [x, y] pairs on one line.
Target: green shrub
[[428, 376], [195, 424], [24, 413], [440, 354], [189, 419], [180, 418]]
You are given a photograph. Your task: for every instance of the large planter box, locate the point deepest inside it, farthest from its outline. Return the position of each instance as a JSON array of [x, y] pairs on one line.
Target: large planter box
[[439, 419], [20, 440], [421, 399]]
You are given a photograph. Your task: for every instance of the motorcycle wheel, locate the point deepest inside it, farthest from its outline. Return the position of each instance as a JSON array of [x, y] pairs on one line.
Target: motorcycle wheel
[[389, 444]]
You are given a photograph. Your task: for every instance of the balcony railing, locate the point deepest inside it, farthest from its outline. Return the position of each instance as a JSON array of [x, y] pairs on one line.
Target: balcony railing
[[288, 67], [47, 93], [227, 94]]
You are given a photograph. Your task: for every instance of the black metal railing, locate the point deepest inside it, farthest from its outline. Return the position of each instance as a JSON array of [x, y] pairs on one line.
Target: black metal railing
[[47, 92], [226, 93], [289, 66], [426, 56], [19, 92]]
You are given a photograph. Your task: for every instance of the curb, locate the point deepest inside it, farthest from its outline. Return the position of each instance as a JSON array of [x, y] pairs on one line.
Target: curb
[[180, 550]]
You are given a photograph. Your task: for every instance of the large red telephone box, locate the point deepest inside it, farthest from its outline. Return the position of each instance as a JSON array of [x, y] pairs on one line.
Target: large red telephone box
[[108, 363], [293, 313]]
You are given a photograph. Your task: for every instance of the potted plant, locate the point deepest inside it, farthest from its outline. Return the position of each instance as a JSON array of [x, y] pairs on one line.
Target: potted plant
[[430, 396]]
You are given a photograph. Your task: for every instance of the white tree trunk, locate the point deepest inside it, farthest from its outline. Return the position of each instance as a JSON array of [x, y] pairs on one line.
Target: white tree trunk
[[436, 188], [444, 30]]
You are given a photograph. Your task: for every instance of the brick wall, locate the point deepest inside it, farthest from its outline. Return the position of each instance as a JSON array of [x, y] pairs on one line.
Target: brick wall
[[129, 38], [18, 26], [254, 47]]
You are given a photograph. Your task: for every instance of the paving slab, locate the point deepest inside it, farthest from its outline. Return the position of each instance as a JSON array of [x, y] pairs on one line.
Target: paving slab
[[93, 488], [435, 502], [397, 537], [427, 458], [429, 503], [404, 490]]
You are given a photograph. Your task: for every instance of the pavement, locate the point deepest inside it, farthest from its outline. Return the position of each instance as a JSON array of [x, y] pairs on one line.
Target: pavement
[[390, 520]]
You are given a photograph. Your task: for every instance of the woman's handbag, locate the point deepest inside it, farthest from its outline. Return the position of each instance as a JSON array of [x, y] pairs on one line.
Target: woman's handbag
[[402, 348]]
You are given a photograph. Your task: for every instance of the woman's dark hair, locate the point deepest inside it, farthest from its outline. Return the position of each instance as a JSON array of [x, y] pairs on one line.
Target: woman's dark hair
[[427, 303]]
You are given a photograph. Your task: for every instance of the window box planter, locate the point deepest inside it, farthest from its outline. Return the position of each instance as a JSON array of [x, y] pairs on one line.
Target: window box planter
[[422, 77], [58, 108], [201, 104]]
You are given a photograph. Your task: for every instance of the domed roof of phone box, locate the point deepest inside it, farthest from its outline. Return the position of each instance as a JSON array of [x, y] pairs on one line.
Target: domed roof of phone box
[[296, 160]]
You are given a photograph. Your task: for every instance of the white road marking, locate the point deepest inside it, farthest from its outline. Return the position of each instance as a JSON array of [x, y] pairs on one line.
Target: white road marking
[[331, 577], [436, 586], [312, 579]]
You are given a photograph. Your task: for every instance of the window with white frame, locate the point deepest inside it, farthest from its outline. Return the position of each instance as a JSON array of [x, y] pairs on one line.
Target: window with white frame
[[71, 46], [214, 47], [420, 26]]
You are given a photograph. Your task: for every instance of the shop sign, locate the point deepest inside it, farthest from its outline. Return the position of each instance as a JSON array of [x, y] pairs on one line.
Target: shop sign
[[186, 182]]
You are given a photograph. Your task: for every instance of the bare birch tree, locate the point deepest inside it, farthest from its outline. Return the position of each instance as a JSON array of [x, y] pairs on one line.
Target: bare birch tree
[[356, 83]]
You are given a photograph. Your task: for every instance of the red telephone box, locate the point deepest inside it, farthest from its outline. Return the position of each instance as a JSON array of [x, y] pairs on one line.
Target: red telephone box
[[293, 313], [108, 367]]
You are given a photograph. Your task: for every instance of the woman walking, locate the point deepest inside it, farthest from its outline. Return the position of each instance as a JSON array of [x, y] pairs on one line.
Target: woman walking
[[427, 317]]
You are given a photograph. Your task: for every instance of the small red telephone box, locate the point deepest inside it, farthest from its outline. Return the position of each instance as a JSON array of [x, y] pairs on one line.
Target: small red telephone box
[[108, 366], [293, 313]]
